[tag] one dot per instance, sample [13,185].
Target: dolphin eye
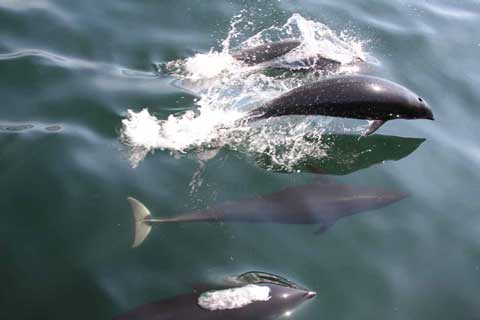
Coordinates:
[420,99]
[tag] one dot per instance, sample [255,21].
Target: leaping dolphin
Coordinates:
[265,52]
[267,56]
[352,96]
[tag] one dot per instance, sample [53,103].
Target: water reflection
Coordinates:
[28,126]
[16,127]
[346,154]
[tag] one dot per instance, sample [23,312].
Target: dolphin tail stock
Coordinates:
[251,116]
[143,221]
[374,127]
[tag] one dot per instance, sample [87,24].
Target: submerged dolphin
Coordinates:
[321,203]
[354,96]
[256,295]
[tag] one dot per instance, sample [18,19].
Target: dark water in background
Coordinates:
[66,226]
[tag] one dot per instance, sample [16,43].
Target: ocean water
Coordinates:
[105,100]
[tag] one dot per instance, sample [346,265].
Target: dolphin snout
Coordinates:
[396,196]
[310,294]
[429,114]
[428,110]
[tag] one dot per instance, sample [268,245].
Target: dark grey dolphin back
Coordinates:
[185,307]
[357,96]
[265,52]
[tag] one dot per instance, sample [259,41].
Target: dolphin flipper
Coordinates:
[324,226]
[374,127]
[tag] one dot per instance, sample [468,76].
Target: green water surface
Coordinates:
[66,226]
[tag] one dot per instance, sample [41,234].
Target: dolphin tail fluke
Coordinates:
[374,127]
[141,215]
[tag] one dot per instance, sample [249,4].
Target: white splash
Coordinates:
[227,89]
[211,65]
[144,133]
[316,38]
[141,129]
[233,298]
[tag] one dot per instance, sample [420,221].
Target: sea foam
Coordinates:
[233,298]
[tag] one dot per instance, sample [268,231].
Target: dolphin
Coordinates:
[265,52]
[267,56]
[268,297]
[321,203]
[348,96]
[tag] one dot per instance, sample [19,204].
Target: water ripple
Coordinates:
[17,128]
[41,5]
[76,63]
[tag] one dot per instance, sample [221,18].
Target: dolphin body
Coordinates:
[350,96]
[265,52]
[321,203]
[284,296]
[308,64]
[266,56]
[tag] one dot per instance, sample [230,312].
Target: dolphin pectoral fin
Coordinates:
[320,230]
[374,127]
[324,226]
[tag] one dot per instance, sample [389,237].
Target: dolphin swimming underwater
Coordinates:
[254,295]
[352,96]
[321,203]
